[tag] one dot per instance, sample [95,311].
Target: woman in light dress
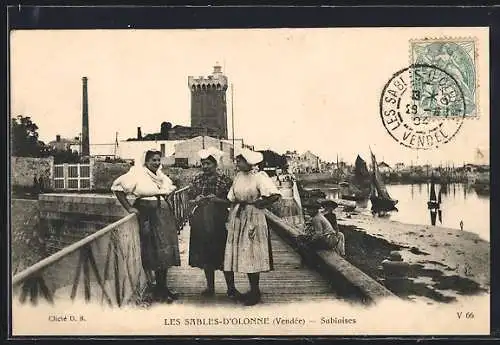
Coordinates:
[248,246]
[158,230]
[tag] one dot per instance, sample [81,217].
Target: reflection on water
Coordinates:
[433,216]
[459,203]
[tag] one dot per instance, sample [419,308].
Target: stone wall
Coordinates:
[181,177]
[24,170]
[26,245]
[105,173]
[69,217]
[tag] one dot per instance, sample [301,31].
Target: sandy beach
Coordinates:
[445,264]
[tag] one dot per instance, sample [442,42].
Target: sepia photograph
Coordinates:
[285,181]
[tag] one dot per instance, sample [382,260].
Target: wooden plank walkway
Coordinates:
[288,282]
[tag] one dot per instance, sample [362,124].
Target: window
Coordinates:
[181,162]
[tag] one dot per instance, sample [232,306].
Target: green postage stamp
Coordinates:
[453,59]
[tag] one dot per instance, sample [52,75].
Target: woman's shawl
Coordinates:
[142,182]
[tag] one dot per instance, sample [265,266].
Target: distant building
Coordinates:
[64,144]
[303,163]
[384,168]
[103,151]
[177,132]
[399,167]
[208,111]
[135,149]
[292,158]
[208,101]
[186,152]
[426,168]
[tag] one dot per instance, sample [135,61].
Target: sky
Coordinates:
[294,89]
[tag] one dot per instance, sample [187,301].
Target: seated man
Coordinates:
[320,234]
[329,206]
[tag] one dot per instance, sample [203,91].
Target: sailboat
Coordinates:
[380,198]
[359,188]
[433,202]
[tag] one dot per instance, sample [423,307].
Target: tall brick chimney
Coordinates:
[85,120]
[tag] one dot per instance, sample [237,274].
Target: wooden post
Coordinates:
[65,174]
[91,173]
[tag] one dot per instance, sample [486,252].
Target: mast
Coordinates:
[433,189]
[379,185]
[338,168]
[116,143]
[232,116]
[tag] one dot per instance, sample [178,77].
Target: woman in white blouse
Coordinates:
[248,245]
[158,230]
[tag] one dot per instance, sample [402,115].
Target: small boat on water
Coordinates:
[434,202]
[381,201]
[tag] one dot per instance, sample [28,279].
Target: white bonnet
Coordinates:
[251,157]
[142,159]
[211,152]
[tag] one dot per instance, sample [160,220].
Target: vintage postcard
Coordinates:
[329,181]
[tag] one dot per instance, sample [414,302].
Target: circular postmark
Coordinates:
[422,107]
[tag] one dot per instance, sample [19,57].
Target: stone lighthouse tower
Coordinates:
[208,101]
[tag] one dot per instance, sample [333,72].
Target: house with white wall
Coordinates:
[134,149]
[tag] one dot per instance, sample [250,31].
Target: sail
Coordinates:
[361,180]
[360,169]
[433,191]
[379,184]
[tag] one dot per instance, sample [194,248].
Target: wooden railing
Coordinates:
[180,204]
[105,267]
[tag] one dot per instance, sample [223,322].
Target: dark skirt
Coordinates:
[208,236]
[158,233]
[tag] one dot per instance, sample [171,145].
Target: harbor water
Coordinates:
[460,202]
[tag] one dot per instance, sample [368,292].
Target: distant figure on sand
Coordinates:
[321,234]
[462,225]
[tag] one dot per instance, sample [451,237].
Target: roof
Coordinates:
[65,141]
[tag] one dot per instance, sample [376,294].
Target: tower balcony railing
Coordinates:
[104,267]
